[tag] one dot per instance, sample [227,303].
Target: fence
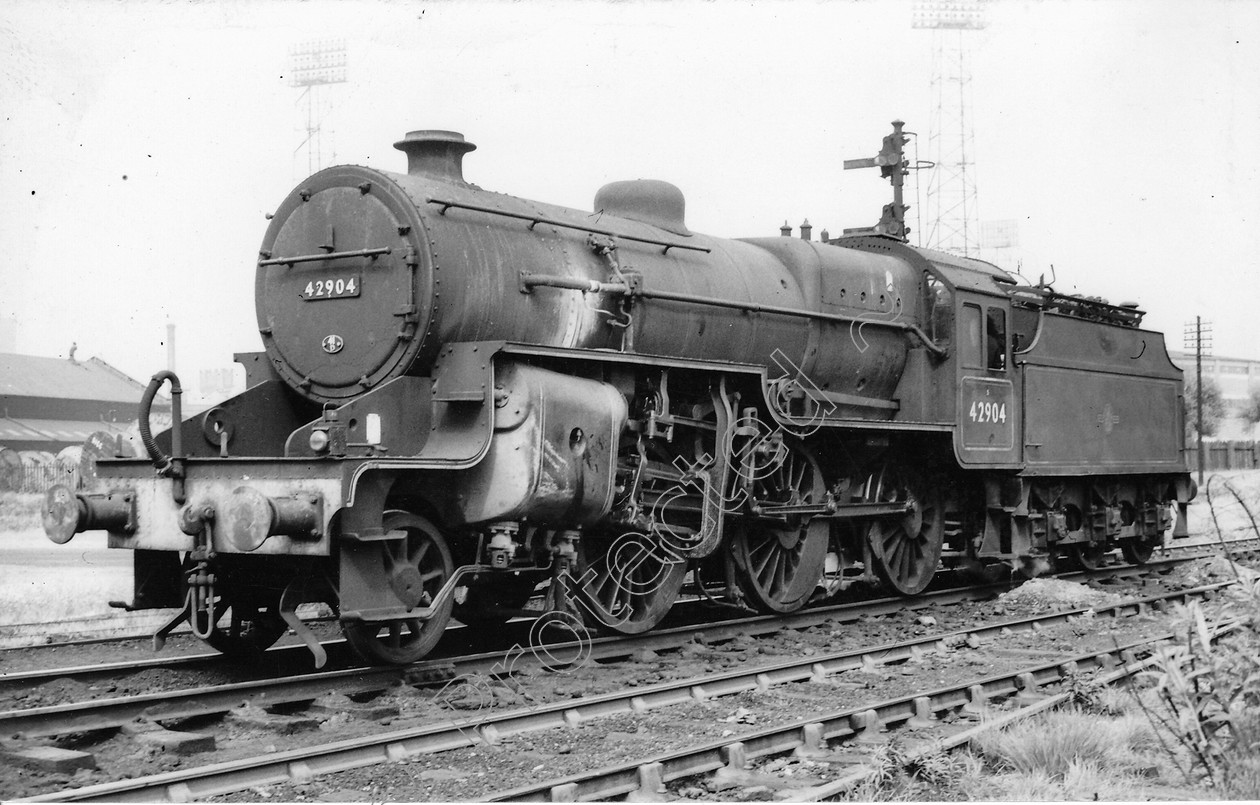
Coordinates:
[1225,456]
[38,477]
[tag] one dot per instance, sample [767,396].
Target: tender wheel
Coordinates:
[405,641]
[1139,549]
[778,564]
[906,550]
[247,631]
[1088,556]
[491,603]
[626,584]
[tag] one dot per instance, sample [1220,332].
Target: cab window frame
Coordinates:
[996,341]
[971,336]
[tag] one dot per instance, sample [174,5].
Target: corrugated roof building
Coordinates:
[50,403]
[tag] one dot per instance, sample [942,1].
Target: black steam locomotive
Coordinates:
[466,398]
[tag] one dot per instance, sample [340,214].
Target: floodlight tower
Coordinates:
[951,211]
[315,64]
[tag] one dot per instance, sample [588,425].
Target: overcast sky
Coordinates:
[142,143]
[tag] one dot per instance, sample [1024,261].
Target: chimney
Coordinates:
[826,236]
[786,230]
[436,154]
[806,229]
[170,347]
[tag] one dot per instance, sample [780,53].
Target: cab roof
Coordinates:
[968,273]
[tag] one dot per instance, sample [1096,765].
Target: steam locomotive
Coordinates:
[466,398]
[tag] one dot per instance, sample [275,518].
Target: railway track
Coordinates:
[492,727]
[356,680]
[919,711]
[295,656]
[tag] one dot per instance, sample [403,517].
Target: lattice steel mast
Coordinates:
[951,220]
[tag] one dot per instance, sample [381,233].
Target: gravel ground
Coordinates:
[469,773]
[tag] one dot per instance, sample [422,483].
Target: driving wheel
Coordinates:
[626,584]
[906,548]
[779,559]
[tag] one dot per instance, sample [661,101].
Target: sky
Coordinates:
[142,143]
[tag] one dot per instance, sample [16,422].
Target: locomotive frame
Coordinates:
[466,398]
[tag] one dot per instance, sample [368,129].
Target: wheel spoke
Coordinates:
[608,592]
[779,577]
[416,554]
[894,540]
[905,561]
[767,551]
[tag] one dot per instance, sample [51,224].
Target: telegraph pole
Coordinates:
[1201,337]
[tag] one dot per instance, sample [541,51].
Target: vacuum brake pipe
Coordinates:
[168,466]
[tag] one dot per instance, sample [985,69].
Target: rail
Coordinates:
[305,763]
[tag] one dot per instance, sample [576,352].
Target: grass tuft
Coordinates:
[1063,740]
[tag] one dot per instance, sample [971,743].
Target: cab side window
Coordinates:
[995,339]
[970,337]
[938,303]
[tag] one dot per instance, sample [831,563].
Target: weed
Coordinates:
[901,776]
[1207,694]
[1090,695]
[1052,744]
[938,768]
